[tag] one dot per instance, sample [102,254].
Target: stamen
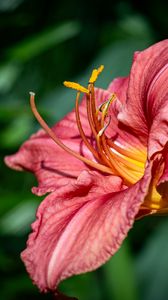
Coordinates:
[76,86]
[105,105]
[92,105]
[95,74]
[81,129]
[90,115]
[94,129]
[103,155]
[51,133]
[112,159]
[104,128]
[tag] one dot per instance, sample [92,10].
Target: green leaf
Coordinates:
[8,74]
[17,131]
[17,220]
[135,26]
[39,43]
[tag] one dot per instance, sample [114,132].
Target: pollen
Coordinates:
[76,86]
[95,74]
[80,88]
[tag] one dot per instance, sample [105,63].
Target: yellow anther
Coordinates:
[76,86]
[100,69]
[95,74]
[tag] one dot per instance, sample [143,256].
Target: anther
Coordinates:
[76,86]
[95,74]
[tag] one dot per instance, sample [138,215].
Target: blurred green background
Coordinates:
[44,43]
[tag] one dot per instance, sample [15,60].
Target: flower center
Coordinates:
[129,164]
[110,157]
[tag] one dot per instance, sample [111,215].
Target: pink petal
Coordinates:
[117,131]
[119,86]
[80,226]
[52,166]
[146,108]
[158,135]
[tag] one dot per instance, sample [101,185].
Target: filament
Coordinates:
[81,129]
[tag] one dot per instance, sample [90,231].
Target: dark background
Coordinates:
[44,43]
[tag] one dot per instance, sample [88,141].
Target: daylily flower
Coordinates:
[104,165]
